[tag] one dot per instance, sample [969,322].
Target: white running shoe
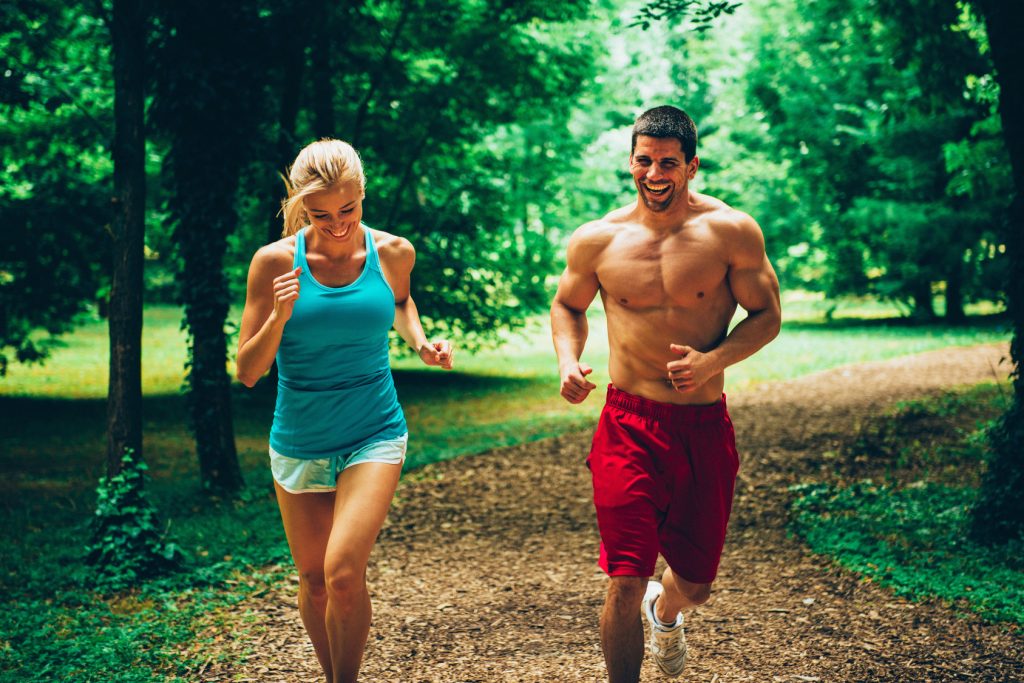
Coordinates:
[666,644]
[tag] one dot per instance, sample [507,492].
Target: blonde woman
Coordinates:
[321,300]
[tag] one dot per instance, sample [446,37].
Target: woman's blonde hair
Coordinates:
[321,165]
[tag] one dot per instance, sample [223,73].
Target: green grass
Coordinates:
[54,626]
[907,528]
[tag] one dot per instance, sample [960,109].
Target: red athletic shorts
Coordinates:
[663,482]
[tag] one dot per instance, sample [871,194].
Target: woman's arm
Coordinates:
[271,291]
[399,257]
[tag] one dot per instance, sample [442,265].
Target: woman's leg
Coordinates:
[361,504]
[307,521]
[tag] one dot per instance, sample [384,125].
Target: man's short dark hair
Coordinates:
[668,122]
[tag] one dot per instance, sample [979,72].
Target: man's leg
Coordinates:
[622,634]
[679,595]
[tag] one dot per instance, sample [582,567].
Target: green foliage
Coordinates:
[998,516]
[55,178]
[127,543]
[913,540]
[914,536]
[868,126]
[58,624]
[701,12]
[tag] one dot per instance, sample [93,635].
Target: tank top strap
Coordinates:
[372,258]
[300,251]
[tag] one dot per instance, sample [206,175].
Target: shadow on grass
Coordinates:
[416,383]
[54,449]
[997,321]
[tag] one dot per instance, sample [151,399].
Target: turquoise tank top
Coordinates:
[335,393]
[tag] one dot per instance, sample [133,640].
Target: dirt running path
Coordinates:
[486,570]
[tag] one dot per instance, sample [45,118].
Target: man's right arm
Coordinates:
[576,290]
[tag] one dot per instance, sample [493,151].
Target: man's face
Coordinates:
[660,171]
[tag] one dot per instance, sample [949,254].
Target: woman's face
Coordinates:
[335,213]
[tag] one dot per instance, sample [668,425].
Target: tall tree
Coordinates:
[124,397]
[999,515]
[208,110]
[127,540]
[866,126]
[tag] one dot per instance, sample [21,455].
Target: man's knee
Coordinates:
[699,593]
[625,593]
[695,593]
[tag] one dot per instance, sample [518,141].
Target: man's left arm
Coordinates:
[755,287]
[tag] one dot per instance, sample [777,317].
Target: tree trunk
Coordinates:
[294,66]
[210,404]
[201,233]
[323,89]
[206,300]
[124,393]
[213,54]
[924,308]
[999,514]
[955,294]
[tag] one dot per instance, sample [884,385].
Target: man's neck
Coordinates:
[676,215]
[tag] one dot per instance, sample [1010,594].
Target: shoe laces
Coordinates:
[670,642]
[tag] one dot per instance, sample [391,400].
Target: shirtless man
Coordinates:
[671,269]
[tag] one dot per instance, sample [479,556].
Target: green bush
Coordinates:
[127,542]
[914,540]
[912,533]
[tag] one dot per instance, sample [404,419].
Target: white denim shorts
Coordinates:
[299,475]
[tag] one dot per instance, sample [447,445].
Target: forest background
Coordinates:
[864,136]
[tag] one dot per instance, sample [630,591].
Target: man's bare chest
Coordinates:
[681,274]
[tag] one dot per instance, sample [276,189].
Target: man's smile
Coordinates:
[656,189]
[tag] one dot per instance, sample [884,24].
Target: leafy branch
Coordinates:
[701,12]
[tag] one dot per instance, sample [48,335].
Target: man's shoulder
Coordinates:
[600,232]
[590,239]
[736,230]
[727,220]
[719,213]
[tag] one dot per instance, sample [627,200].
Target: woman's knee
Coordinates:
[313,583]
[345,581]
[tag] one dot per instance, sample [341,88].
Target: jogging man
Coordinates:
[671,269]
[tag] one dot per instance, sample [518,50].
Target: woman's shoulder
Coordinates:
[275,257]
[392,248]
